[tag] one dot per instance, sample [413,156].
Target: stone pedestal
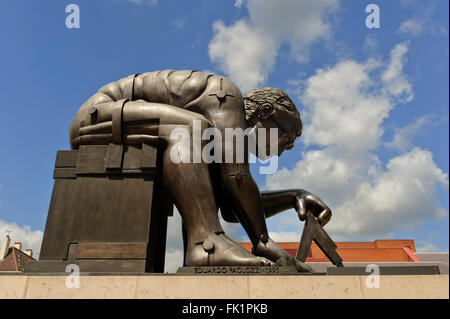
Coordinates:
[158,286]
[108,211]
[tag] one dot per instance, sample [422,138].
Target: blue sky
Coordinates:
[374,102]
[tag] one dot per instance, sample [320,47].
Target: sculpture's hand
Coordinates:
[306,201]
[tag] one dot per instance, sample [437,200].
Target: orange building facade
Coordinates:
[380,250]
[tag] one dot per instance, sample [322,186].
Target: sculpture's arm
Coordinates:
[131,122]
[275,202]
[242,194]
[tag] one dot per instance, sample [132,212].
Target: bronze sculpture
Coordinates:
[145,108]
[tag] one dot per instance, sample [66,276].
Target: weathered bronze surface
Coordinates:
[385,270]
[107,192]
[107,212]
[241,270]
[313,231]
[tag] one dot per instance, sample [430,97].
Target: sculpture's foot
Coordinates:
[219,250]
[268,248]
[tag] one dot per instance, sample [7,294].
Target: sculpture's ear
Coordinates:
[265,110]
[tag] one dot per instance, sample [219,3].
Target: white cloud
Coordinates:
[174,243]
[246,50]
[341,112]
[174,260]
[395,82]
[402,139]
[413,27]
[30,239]
[427,247]
[238,3]
[145,2]
[244,53]
[423,23]
[179,23]
[399,197]
[280,237]
[299,23]
[345,108]
[371,43]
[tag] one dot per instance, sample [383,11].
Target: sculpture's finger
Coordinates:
[324,217]
[100,128]
[313,199]
[300,207]
[92,139]
[150,129]
[141,138]
[302,267]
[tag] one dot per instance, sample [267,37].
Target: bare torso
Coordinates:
[214,97]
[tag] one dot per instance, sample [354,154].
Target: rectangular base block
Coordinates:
[108,211]
[386,270]
[241,270]
[95,266]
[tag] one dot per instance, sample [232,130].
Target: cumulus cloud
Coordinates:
[354,116]
[423,23]
[399,197]
[243,52]
[246,50]
[427,247]
[402,140]
[345,106]
[394,80]
[412,27]
[30,239]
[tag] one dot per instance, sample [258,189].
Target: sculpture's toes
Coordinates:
[219,250]
[292,262]
[235,256]
[285,261]
[302,267]
[266,262]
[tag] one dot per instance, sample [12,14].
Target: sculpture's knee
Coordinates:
[185,142]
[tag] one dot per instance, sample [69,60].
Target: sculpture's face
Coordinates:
[287,133]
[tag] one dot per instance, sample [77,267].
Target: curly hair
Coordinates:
[278,98]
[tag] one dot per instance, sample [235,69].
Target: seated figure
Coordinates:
[145,108]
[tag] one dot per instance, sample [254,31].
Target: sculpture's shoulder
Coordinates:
[118,89]
[174,87]
[179,87]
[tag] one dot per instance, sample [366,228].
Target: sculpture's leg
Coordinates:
[191,189]
[240,189]
[188,183]
[184,234]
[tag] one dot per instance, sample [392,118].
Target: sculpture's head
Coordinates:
[272,108]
